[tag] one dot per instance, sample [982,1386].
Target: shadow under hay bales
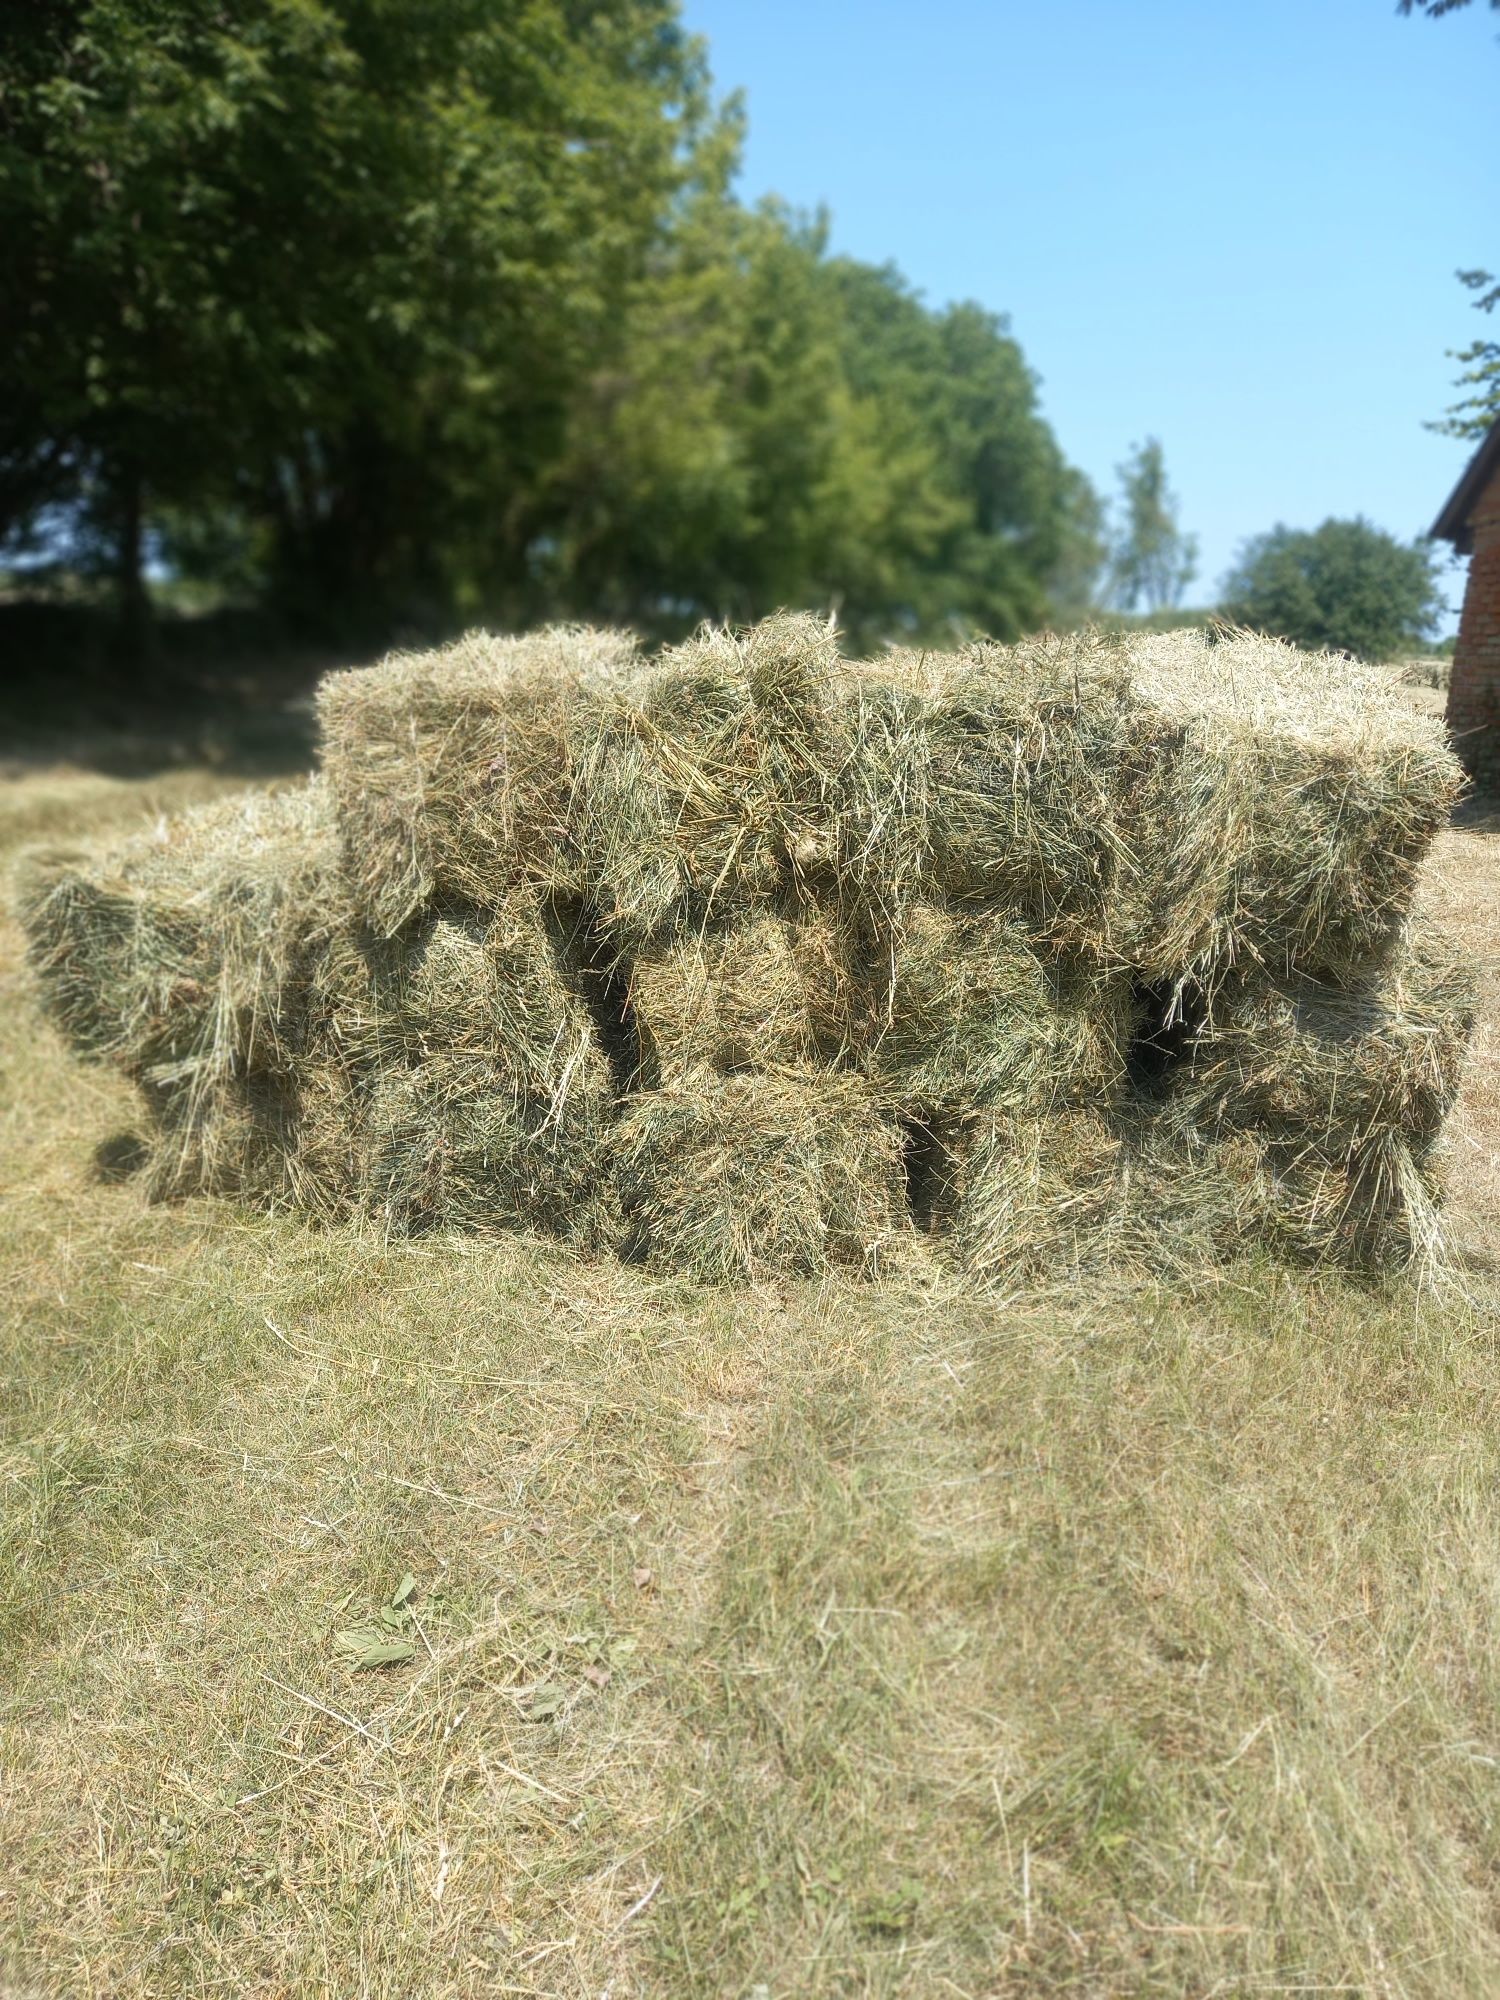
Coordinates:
[600,983]
[120,1157]
[928,1165]
[1169,1024]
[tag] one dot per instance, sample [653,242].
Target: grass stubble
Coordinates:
[805,1639]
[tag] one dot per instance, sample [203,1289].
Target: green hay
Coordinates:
[1307,1117]
[461,1078]
[752,1177]
[726,1000]
[448,1144]
[233,1136]
[1193,1197]
[1027,750]
[1335,1068]
[824,910]
[963,1013]
[190,950]
[1283,806]
[453,770]
[1032,1195]
[705,793]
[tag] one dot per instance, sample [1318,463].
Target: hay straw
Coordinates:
[706,790]
[1032,1194]
[842,934]
[1286,802]
[731,999]
[453,770]
[961,1012]
[468,1074]
[760,1176]
[1337,1067]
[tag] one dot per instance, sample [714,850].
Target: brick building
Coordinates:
[1471,522]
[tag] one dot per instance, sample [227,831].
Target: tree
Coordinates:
[1153,560]
[431,310]
[338,264]
[1472,416]
[1346,586]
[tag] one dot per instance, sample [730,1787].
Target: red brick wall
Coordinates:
[1474,692]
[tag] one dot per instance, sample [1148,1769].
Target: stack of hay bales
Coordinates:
[751,959]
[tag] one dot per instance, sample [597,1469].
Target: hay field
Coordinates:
[471,1618]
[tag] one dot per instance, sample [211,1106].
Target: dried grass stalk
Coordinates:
[1030,1195]
[761,1176]
[706,789]
[192,947]
[962,1012]
[1283,804]
[1336,1067]
[738,998]
[453,770]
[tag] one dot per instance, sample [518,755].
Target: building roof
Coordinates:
[1452,525]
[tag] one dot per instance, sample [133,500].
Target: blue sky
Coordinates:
[1232,224]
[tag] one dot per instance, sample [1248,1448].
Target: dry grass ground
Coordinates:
[840,1641]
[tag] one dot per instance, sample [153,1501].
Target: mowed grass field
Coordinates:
[828,1641]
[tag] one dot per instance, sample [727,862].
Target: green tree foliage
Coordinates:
[445,308]
[1346,586]
[337,264]
[1473,414]
[1153,561]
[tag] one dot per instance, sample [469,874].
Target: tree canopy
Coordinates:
[1347,586]
[1153,562]
[446,308]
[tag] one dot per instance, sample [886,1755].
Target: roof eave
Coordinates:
[1452,524]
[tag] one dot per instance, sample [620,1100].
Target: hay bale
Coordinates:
[758,1176]
[449,1144]
[190,949]
[1194,1197]
[467,985]
[228,1135]
[706,787]
[962,1012]
[1028,1195]
[1337,1067]
[1306,1116]
[1028,744]
[1281,807]
[461,1077]
[737,998]
[453,770]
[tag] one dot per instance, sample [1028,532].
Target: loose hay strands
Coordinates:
[707,790]
[961,1012]
[759,1176]
[190,948]
[1032,1194]
[453,770]
[1336,1066]
[730,999]
[1285,803]
[186,960]
[472,1081]
[450,1145]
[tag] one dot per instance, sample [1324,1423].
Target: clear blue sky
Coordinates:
[1232,224]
